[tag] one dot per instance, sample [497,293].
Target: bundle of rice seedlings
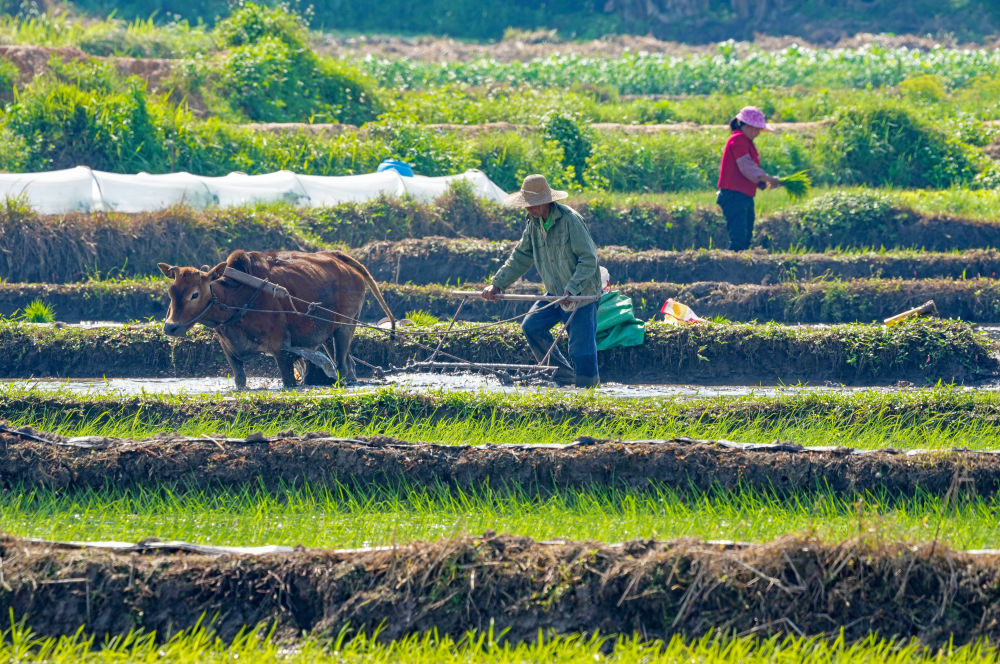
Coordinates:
[797,184]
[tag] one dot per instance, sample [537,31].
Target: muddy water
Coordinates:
[421,382]
[417,382]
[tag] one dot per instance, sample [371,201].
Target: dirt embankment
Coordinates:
[707,354]
[516,587]
[77,246]
[32,61]
[974,300]
[688,465]
[441,260]
[640,243]
[866,300]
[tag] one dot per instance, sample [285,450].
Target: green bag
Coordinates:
[617,325]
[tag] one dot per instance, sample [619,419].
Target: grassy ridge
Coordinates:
[742,353]
[835,301]
[940,418]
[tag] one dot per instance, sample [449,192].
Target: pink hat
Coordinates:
[754,117]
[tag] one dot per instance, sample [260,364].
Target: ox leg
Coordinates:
[342,338]
[236,364]
[286,366]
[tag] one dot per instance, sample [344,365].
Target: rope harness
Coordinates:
[235,318]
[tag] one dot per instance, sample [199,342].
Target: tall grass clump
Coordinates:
[887,144]
[656,163]
[270,74]
[426,150]
[38,312]
[9,76]
[574,139]
[142,36]
[507,157]
[61,125]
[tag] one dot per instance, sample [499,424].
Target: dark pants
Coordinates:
[582,336]
[738,210]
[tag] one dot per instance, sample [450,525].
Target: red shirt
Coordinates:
[730,177]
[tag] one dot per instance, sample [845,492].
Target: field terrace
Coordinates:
[790,479]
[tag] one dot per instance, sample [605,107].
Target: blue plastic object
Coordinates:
[401,167]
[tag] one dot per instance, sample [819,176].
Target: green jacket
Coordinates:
[565,255]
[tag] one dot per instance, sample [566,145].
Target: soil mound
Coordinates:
[32,61]
[975,300]
[515,585]
[37,460]
[727,354]
[442,260]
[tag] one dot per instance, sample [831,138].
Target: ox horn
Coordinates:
[217,271]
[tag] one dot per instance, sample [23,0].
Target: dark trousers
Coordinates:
[582,336]
[738,210]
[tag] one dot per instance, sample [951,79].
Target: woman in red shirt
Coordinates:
[740,175]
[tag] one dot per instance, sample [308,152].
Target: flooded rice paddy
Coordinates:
[416,382]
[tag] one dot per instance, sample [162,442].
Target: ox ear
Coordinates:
[217,271]
[167,270]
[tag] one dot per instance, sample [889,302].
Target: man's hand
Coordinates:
[491,293]
[772,182]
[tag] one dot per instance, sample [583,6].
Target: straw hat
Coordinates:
[535,190]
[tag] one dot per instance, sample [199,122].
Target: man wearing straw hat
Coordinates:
[557,242]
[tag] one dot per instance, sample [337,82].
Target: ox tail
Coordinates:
[373,287]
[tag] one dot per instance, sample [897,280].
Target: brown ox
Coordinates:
[331,278]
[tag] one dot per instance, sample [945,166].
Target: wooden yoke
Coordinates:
[250,280]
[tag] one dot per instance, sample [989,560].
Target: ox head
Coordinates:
[190,295]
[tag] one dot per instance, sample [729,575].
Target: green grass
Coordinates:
[37,312]
[343,517]
[112,36]
[888,431]
[940,418]
[200,646]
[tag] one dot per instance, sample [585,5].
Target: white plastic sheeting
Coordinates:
[82,189]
